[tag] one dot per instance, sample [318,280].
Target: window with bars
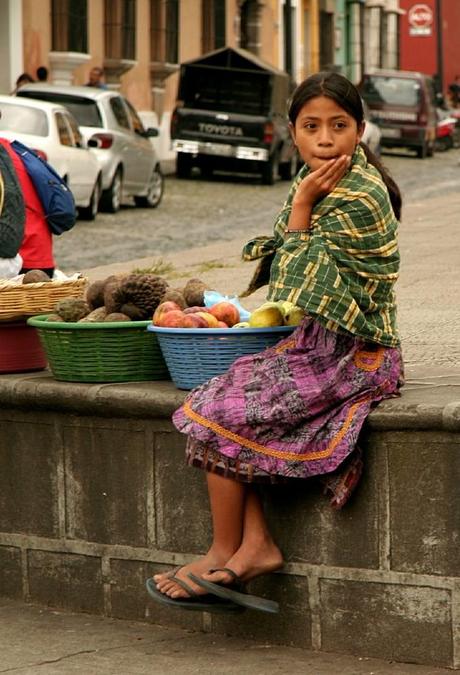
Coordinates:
[69,26]
[120,29]
[212,25]
[326,45]
[250,26]
[164,31]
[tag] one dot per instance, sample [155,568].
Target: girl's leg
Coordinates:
[258,553]
[227,500]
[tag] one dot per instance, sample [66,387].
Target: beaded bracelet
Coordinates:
[293,231]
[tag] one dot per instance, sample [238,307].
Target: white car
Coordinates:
[52,132]
[372,134]
[129,163]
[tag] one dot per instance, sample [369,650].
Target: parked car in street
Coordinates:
[404,105]
[52,132]
[231,115]
[129,164]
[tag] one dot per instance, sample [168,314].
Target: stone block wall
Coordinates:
[95,497]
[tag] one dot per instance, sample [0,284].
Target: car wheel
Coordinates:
[90,212]
[183,165]
[270,170]
[422,151]
[154,190]
[288,169]
[111,198]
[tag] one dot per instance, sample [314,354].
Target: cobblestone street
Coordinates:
[197,212]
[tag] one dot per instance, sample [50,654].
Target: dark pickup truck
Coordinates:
[231,116]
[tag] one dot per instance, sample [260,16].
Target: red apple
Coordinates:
[193,321]
[164,308]
[194,309]
[171,319]
[222,324]
[226,312]
[209,318]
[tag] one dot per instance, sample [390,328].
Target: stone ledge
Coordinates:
[80,547]
[430,399]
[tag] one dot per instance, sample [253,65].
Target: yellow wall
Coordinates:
[36,34]
[135,83]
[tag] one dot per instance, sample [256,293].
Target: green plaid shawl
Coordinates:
[343,271]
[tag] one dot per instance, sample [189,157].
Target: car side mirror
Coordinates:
[152,132]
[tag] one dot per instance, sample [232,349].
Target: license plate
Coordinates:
[389,132]
[217,149]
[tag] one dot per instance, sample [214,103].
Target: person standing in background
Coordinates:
[42,74]
[36,249]
[96,76]
[12,218]
[24,78]
[454,90]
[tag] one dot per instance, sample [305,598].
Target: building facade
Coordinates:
[140,43]
[430,38]
[367,36]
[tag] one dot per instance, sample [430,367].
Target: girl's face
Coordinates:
[324,131]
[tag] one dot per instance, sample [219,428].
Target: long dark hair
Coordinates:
[345,94]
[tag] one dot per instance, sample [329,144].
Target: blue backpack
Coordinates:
[55,197]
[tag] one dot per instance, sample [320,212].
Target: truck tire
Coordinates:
[270,170]
[288,169]
[183,165]
[422,151]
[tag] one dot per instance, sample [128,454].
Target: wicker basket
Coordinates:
[18,300]
[194,355]
[101,352]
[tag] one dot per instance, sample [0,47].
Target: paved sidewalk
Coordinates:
[41,641]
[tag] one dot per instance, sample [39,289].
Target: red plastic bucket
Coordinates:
[20,348]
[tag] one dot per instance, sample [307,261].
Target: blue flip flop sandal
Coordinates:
[235,592]
[196,602]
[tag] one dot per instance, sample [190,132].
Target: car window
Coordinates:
[23,120]
[135,119]
[120,112]
[391,90]
[65,134]
[79,142]
[85,110]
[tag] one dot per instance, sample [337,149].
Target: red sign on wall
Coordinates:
[420,17]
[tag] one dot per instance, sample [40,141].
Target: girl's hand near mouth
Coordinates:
[316,185]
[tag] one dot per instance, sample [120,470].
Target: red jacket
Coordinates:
[37,246]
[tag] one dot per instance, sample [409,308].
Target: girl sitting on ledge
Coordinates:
[295,410]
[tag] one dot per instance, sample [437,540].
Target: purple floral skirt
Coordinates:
[294,410]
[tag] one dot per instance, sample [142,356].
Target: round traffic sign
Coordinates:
[420,15]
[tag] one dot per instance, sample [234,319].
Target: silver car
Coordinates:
[111,126]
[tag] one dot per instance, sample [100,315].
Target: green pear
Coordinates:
[266,316]
[286,307]
[294,317]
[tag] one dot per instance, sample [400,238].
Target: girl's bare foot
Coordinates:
[166,584]
[251,560]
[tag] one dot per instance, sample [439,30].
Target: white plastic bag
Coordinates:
[213,297]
